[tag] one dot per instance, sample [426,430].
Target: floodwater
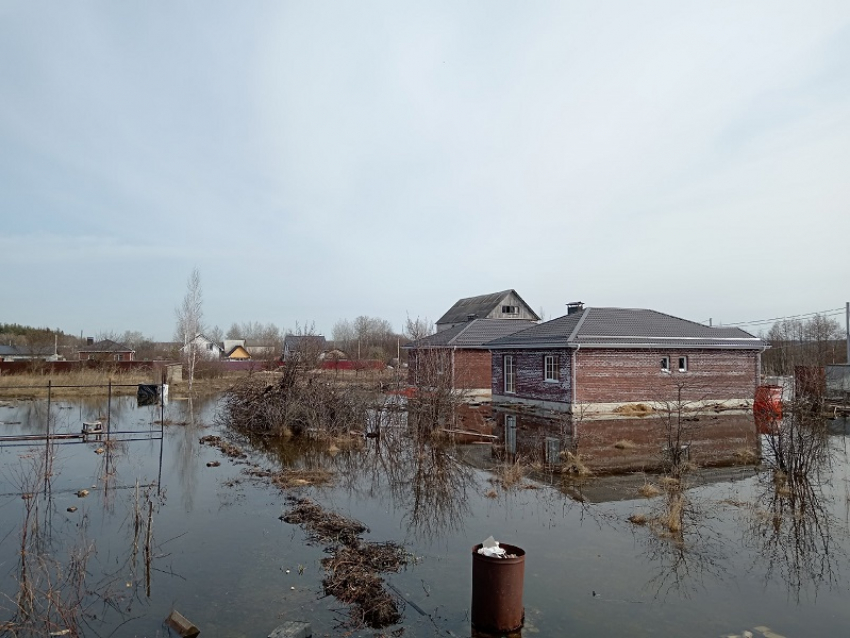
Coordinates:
[207,540]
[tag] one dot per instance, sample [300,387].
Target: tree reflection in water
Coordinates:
[792,526]
[682,544]
[421,471]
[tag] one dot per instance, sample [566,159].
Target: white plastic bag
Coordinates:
[491,548]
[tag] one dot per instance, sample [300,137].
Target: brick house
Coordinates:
[600,360]
[506,304]
[458,355]
[106,350]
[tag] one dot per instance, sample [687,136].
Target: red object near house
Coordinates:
[767,408]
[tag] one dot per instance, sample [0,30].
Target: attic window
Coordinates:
[510,310]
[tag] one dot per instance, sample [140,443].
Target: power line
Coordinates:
[832,312]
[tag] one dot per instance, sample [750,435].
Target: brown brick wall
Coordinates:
[530,383]
[616,376]
[471,367]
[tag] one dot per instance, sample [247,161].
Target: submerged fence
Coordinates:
[97,430]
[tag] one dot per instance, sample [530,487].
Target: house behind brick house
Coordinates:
[601,359]
[506,304]
[460,355]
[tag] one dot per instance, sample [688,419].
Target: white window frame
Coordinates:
[683,364]
[665,364]
[509,367]
[551,368]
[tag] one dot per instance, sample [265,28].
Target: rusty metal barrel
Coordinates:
[497,590]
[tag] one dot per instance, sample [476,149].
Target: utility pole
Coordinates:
[847,324]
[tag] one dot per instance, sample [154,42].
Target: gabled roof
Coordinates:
[480,306]
[472,334]
[627,328]
[231,352]
[106,345]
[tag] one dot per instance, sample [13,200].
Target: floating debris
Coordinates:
[353,567]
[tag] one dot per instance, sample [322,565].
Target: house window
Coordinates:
[510,434]
[510,374]
[510,310]
[551,367]
[683,364]
[665,364]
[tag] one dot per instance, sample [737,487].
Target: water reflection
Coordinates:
[416,468]
[792,525]
[62,583]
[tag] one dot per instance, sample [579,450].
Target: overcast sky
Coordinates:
[322,160]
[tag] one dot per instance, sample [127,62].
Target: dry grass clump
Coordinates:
[625,444]
[510,474]
[293,477]
[669,483]
[323,526]
[634,409]
[491,493]
[638,519]
[649,490]
[574,465]
[87,383]
[746,456]
[231,450]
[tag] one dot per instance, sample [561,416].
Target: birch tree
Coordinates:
[190,323]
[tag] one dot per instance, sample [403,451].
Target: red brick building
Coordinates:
[457,357]
[600,360]
[106,350]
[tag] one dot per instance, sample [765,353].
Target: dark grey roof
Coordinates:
[472,334]
[480,306]
[627,328]
[106,345]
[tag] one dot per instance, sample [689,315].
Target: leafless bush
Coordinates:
[298,402]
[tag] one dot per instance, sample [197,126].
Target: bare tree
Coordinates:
[817,341]
[415,329]
[190,323]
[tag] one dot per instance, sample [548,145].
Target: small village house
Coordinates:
[456,356]
[506,304]
[106,350]
[206,348]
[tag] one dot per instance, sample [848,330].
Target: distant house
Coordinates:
[506,304]
[458,355]
[234,350]
[29,353]
[106,350]
[207,349]
[599,360]
[309,346]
